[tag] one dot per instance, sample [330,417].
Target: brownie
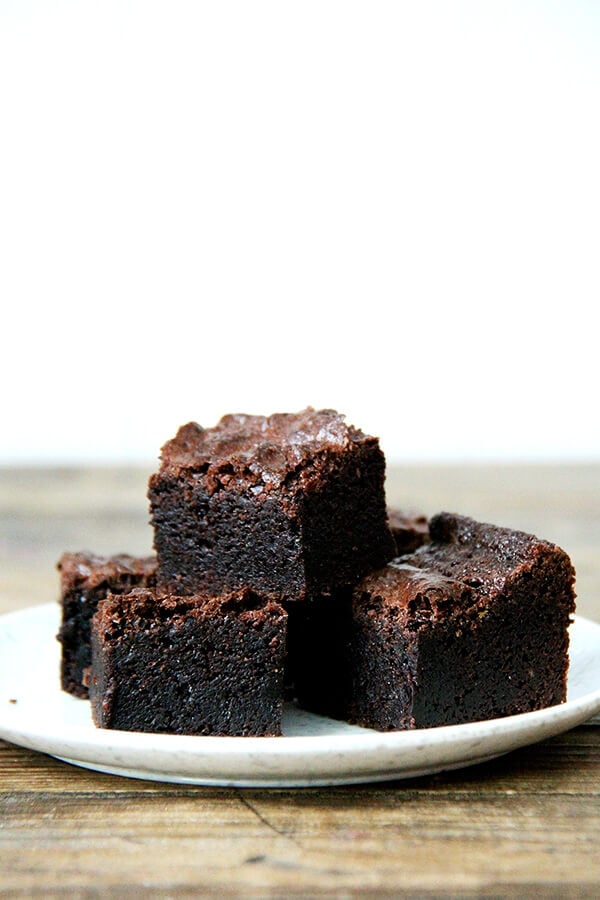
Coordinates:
[188,665]
[291,505]
[472,626]
[410,530]
[85,579]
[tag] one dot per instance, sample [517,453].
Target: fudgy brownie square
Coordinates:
[410,530]
[85,579]
[188,665]
[291,504]
[472,626]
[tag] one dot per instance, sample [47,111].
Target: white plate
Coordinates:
[35,713]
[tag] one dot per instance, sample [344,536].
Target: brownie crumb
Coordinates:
[188,665]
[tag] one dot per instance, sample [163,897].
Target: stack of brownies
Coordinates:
[279,574]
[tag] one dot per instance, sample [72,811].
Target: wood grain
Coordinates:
[527,824]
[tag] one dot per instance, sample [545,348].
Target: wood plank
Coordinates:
[530,817]
[341,840]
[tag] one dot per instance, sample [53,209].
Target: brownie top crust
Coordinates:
[87,571]
[263,450]
[142,609]
[486,557]
[415,597]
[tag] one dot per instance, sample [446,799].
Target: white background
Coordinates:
[388,208]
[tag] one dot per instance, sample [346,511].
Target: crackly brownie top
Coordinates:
[413,597]
[141,609]
[86,571]
[260,450]
[486,557]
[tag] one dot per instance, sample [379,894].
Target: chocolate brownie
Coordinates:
[472,626]
[188,665]
[85,579]
[410,530]
[291,505]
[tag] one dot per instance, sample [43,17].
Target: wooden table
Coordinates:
[526,824]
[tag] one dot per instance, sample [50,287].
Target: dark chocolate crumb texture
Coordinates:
[472,626]
[188,665]
[292,505]
[85,579]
